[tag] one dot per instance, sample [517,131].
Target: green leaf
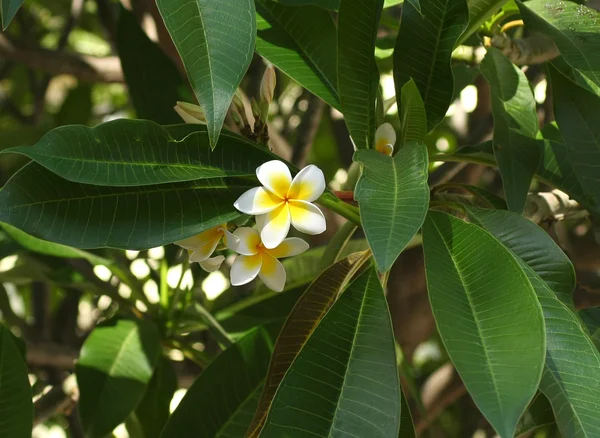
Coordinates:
[9,9]
[215,39]
[115,365]
[221,402]
[337,244]
[139,152]
[575,75]
[48,207]
[153,411]
[358,76]
[463,75]
[517,152]
[570,381]
[591,319]
[77,107]
[577,113]
[488,317]
[16,408]
[299,326]
[538,415]
[407,428]
[393,197]
[423,50]
[413,118]
[533,245]
[153,80]
[574,28]
[344,381]
[332,5]
[49,248]
[301,42]
[479,12]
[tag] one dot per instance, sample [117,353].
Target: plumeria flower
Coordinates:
[257,260]
[282,201]
[203,245]
[190,113]
[385,139]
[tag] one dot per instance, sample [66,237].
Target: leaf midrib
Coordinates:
[239,407]
[209,57]
[435,53]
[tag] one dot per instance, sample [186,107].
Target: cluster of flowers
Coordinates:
[279,203]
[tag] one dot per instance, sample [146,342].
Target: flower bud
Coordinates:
[190,113]
[267,85]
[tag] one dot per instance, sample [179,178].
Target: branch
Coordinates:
[87,68]
[61,399]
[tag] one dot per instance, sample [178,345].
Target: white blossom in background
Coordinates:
[282,201]
[256,259]
[190,113]
[203,245]
[385,139]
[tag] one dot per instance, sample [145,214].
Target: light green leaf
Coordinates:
[393,197]
[479,12]
[332,5]
[488,317]
[9,9]
[413,118]
[115,365]
[299,326]
[575,75]
[517,152]
[16,408]
[301,42]
[221,402]
[344,381]
[577,113]
[423,50]
[574,28]
[153,411]
[215,39]
[153,81]
[532,245]
[139,152]
[358,76]
[46,206]
[49,248]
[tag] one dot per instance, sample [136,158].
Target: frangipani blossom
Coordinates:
[190,113]
[385,139]
[282,201]
[202,246]
[257,260]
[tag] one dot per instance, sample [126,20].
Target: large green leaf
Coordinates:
[153,411]
[332,5]
[571,378]
[574,28]
[153,80]
[115,365]
[301,42]
[344,381]
[516,150]
[48,207]
[479,12]
[139,152]
[413,118]
[299,326]
[407,428]
[16,408]
[532,245]
[221,402]
[358,76]
[591,319]
[423,50]
[577,113]
[8,10]
[393,197]
[488,317]
[215,39]
[538,415]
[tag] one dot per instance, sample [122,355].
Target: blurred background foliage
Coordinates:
[91,61]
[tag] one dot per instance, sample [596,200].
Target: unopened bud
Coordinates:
[267,85]
[190,113]
[238,100]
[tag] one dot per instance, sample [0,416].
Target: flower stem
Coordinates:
[340,207]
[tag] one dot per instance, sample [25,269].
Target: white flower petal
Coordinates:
[245,269]
[276,226]
[230,240]
[275,176]
[308,184]
[289,247]
[307,217]
[272,273]
[385,135]
[248,241]
[200,239]
[212,264]
[257,201]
